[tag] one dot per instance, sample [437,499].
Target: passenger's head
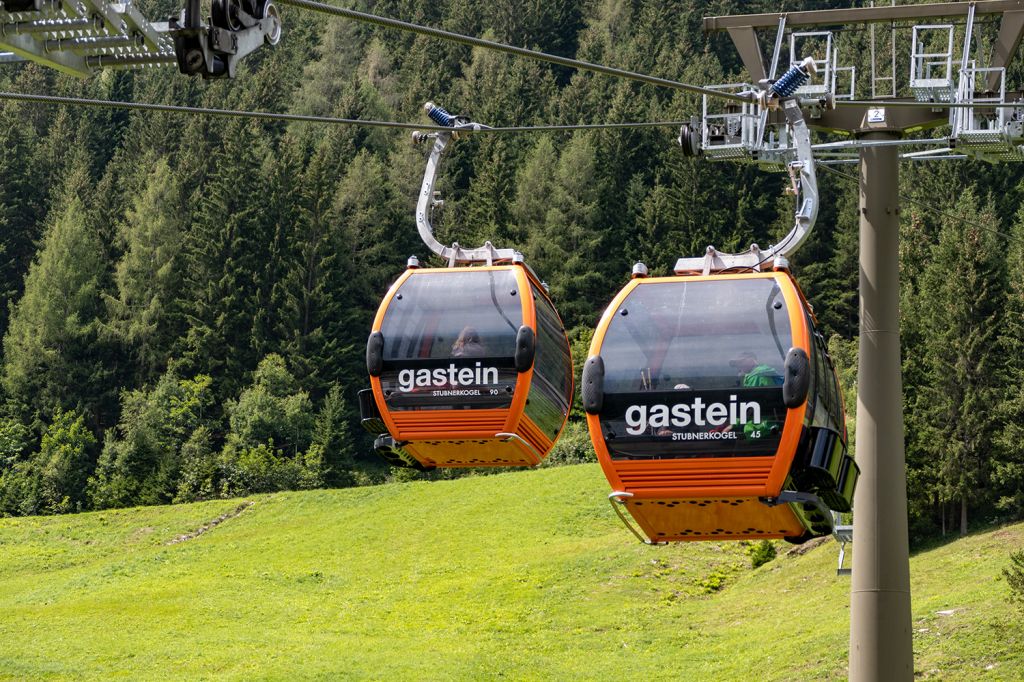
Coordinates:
[744,362]
[467,343]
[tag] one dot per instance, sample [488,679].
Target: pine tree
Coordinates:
[1008,473]
[148,276]
[52,358]
[960,308]
[223,253]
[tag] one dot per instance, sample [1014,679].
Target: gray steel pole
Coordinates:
[881,645]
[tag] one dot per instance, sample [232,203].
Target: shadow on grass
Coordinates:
[926,542]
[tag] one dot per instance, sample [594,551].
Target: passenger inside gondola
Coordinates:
[752,373]
[468,345]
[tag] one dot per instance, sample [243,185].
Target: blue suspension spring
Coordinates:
[790,81]
[439,116]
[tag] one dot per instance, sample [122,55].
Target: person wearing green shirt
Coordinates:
[756,375]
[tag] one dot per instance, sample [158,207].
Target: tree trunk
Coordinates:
[963,516]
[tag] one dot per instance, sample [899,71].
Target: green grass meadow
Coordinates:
[521,576]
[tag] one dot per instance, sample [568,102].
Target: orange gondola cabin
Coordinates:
[469,367]
[715,410]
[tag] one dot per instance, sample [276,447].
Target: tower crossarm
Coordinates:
[80,37]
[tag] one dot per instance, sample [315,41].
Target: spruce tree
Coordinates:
[376,234]
[534,189]
[1008,473]
[148,276]
[52,358]
[308,298]
[21,202]
[567,249]
[223,254]
[960,306]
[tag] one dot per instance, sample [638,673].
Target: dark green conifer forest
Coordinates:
[187,299]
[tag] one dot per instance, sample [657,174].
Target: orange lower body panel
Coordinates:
[470,438]
[725,477]
[713,518]
[706,499]
[475,452]
[427,424]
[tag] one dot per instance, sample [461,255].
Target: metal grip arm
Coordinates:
[425,204]
[805,186]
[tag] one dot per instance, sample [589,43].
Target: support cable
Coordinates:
[913,104]
[272,116]
[387,22]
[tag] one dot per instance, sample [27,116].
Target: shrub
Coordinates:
[573,446]
[262,469]
[761,552]
[198,468]
[271,445]
[273,408]
[14,439]
[713,582]
[141,458]
[63,462]
[1015,578]
[19,490]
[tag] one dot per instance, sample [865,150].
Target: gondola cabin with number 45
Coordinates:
[469,367]
[715,409]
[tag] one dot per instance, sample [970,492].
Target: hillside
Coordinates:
[185,300]
[524,575]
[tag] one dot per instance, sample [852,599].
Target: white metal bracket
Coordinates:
[806,185]
[454,254]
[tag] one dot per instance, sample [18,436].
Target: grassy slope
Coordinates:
[525,575]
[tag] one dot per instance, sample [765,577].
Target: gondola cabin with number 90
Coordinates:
[715,409]
[469,367]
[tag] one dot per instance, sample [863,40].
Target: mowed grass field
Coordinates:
[521,576]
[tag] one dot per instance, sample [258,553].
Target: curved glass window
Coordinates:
[551,389]
[695,369]
[449,341]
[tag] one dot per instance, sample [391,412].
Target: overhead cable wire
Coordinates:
[450,36]
[914,104]
[918,204]
[272,116]
[387,22]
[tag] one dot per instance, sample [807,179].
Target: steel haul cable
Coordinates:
[272,116]
[386,22]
